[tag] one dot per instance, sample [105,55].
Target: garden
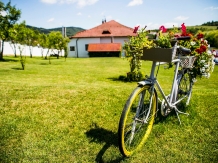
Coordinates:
[69,111]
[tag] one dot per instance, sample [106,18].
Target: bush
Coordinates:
[212,38]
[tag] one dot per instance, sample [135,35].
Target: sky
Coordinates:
[90,13]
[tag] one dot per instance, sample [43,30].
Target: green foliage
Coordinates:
[212,38]
[70,31]
[163,41]
[10,15]
[134,50]
[212,23]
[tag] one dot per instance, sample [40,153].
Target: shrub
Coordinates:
[134,50]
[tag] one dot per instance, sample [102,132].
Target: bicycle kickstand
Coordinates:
[179,112]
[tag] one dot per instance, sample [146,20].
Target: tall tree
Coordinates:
[8,17]
[42,42]
[14,36]
[31,40]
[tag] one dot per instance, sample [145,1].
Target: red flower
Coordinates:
[183,29]
[203,48]
[163,29]
[136,29]
[200,35]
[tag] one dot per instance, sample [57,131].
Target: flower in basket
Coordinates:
[203,64]
[164,39]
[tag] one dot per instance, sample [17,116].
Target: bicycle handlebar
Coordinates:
[183,38]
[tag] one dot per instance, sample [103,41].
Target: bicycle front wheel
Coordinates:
[137,120]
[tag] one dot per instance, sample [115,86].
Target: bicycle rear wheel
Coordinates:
[185,85]
[137,120]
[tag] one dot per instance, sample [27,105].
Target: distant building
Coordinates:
[107,37]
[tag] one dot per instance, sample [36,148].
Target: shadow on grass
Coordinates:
[10,60]
[10,143]
[16,68]
[118,79]
[160,119]
[44,63]
[101,135]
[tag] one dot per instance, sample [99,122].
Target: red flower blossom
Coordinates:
[200,35]
[203,48]
[163,29]
[136,29]
[183,29]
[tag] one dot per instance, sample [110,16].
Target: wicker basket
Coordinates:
[187,61]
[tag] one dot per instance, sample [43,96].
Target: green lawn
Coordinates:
[68,111]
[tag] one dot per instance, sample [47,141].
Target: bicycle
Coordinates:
[141,108]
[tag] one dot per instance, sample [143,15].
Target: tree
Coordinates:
[56,41]
[134,50]
[31,39]
[21,38]
[42,42]
[8,17]
[14,36]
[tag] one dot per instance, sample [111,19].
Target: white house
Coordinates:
[107,37]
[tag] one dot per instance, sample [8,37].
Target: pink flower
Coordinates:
[163,29]
[183,29]
[136,29]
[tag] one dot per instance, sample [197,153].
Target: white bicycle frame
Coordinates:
[171,103]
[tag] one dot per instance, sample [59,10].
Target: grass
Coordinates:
[69,112]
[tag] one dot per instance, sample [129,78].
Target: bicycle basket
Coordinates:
[159,54]
[187,61]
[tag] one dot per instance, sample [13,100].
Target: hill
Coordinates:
[70,31]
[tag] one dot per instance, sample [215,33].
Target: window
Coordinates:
[86,47]
[72,48]
[106,32]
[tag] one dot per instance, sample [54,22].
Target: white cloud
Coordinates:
[49,1]
[79,13]
[170,25]
[135,2]
[89,16]
[167,25]
[181,18]
[80,3]
[50,20]
[211,8]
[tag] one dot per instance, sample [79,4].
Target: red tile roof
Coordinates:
[104,47]
[108,29]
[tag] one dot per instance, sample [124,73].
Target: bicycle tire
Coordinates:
[133,129]
[184,85]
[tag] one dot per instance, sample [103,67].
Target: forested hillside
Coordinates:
[212,23]
[70,31]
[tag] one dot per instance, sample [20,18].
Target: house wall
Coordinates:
[79,44]
[121,40]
